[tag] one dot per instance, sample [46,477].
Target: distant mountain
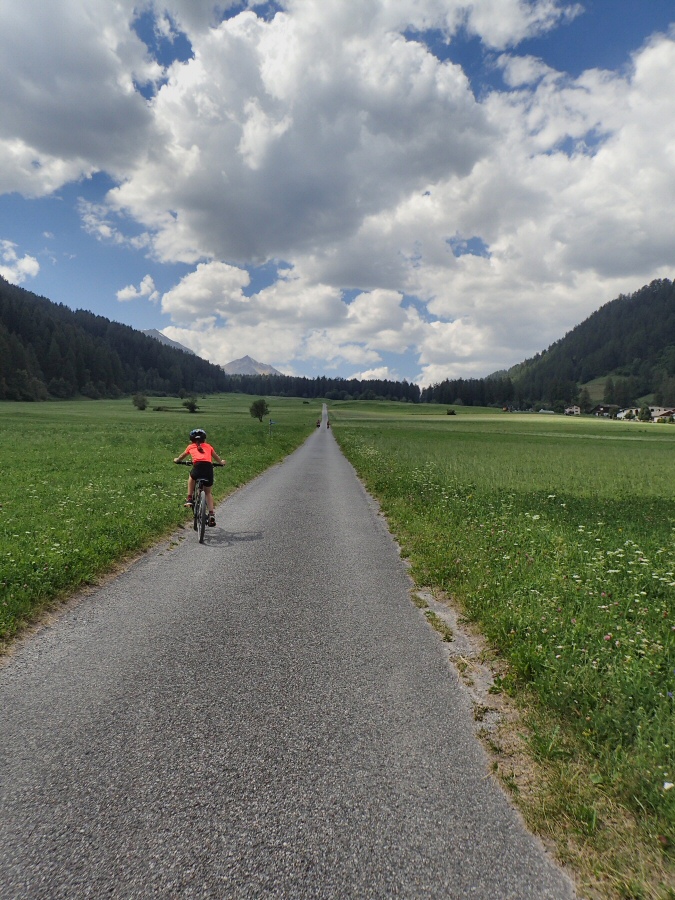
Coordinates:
[248,366]
[163,339]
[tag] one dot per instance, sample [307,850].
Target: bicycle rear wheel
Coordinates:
[202,516]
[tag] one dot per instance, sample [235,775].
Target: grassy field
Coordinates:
[86,483]
[555,536]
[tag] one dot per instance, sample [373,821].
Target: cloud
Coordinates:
[69,106]
[550,176]
[212,289]
[382,373]
[107,225]
[145,289]
[283,136]
[460,233]
[505,23]
[292,318]
[196,16]
[13,268]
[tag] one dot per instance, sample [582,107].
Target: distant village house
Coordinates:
[605,410]
[655,412]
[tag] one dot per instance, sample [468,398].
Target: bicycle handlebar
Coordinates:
[184,462]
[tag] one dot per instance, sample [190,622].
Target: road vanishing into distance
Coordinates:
[264,715]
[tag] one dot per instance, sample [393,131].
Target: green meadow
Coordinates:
[556,537]
[86,483]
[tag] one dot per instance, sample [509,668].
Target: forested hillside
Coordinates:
[630,339]
[49,351]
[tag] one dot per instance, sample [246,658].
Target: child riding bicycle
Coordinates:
[202,456]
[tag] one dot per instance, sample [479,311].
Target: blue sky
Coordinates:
[392,188]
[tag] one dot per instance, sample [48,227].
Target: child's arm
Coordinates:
[218,459]
[181,457]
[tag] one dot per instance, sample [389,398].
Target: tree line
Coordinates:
[328,388]
[471,392]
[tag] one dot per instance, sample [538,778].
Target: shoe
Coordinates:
[189,503]
[212,521]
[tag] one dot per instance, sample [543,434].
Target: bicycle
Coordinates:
[200,508]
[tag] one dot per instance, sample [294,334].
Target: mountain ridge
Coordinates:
[246,365]
[48,350]
[628,343]
[163,339]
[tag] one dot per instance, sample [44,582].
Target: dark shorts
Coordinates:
[203,470]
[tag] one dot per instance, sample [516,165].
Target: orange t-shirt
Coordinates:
[200,452]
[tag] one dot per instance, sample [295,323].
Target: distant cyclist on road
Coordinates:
[202,456]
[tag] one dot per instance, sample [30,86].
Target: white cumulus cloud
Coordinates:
[15,268]
[404,214]
[145,289]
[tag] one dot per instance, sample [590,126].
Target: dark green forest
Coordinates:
[48,351]
[630,339]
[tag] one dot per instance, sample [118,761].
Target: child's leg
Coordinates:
[191,486]
[209,499]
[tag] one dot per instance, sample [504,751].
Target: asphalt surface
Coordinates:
[264,715]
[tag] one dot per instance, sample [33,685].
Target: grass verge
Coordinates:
[556,539]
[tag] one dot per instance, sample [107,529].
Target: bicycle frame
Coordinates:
[200,508]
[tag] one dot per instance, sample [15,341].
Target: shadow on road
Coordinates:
[221,537]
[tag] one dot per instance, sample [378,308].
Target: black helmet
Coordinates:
[197,434]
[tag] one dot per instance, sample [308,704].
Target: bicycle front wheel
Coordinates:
[202,517]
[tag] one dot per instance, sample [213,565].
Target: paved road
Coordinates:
[282,724]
